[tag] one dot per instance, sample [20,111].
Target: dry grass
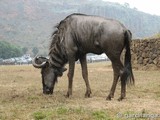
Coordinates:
[21,95]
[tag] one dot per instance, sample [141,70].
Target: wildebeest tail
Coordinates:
[128,74]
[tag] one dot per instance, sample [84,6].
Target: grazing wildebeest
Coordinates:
[79,34]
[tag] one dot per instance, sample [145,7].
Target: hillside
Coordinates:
[30,23]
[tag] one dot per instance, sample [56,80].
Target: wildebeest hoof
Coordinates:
[109,98]
[120,98]
[68,95]
[88,94]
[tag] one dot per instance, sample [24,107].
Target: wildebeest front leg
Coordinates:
[85,75]
[70,75]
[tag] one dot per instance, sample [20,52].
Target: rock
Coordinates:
[146,53]
[140,60]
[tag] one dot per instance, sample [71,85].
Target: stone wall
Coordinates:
[146,54]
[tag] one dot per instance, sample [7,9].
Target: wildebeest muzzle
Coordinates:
[47,90]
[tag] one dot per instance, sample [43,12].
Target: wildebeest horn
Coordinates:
[42,64]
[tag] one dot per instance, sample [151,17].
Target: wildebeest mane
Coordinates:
[57,35]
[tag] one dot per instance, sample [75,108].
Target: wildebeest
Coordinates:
[79,34]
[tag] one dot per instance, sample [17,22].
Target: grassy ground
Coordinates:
[21,96]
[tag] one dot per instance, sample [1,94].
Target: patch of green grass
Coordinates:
[100,115]
[65,113]
[79,110]
[39,115]
[32,98]
[62,111]
[157,95]
[2,117]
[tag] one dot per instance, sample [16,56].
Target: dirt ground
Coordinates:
[21,96]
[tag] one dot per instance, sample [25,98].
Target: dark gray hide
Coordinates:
[80,34]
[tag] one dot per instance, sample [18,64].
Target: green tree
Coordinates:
[8,50]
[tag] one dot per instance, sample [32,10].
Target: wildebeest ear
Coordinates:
[60,71]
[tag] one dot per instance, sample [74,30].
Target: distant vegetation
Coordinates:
[8,50]
[30,23]
[157,35]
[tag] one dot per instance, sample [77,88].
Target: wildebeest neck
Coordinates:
[57,53]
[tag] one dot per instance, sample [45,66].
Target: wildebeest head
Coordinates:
[49,73]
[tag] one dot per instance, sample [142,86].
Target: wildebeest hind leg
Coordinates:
[117,67]
[85,75]
[123,86]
